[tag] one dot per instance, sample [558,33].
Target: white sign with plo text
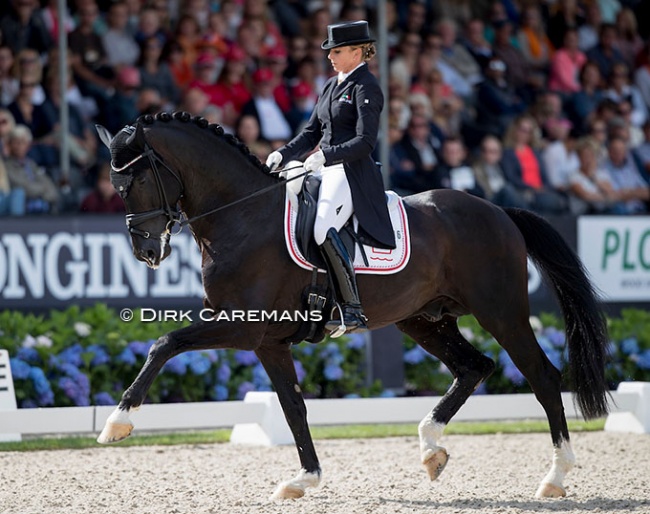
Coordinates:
[616,252]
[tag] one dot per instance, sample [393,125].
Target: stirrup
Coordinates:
[341,329]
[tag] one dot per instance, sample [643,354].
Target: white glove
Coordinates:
[315,161]
[273,160]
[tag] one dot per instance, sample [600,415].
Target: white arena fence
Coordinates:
[258,419]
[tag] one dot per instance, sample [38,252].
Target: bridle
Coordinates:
[172,214]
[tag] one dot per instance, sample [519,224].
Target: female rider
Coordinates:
[344,124]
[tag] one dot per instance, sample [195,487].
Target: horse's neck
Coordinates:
[213,186]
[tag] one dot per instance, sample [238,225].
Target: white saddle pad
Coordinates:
[380,260]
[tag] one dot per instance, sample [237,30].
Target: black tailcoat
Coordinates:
[345,123]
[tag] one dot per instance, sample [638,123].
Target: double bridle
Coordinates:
[173,215]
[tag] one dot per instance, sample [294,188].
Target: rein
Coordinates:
[173,215]
[252,195]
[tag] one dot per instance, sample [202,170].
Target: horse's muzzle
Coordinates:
[152,252]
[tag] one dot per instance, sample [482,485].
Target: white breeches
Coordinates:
[334,202]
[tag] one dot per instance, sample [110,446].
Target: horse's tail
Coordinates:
[586,328]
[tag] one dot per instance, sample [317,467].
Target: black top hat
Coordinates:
[346,34]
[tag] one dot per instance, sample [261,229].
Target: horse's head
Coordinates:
[149,188]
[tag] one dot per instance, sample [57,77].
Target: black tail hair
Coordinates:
[586,327]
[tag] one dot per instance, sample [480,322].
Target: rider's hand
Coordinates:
[315,161]
[273,160]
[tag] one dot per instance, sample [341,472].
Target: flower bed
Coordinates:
[84,357]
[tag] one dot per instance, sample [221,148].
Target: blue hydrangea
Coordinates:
[28,404]
[42,387]
[306,349]
[127,357]
[212,355]
[356,341]
[333,372]
[219,393]
[75,385]
[103,398]
[332,354]
[387,393]
[300,371]
[545,343]
[223,374]
[643,360]
[140,348]
[555,336]
[261,379]
[199,363]
[510,371]
[630,346]
[19,368]
[177,365]
[245,358]
[100,356]
[29,355]
[352,396]
[244,388]
[554,356]
[71,355]
[415,356]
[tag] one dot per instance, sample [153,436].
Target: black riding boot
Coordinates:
[341,270]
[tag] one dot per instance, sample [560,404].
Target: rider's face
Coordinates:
[345,58]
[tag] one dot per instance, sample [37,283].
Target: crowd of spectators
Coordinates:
[540,104]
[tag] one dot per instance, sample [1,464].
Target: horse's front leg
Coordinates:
[276,358]
[199,336]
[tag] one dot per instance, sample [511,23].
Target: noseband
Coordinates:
[173,215]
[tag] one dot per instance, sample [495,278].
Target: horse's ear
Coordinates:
[104,135]
[136,141]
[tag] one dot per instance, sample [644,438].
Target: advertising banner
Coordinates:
[616,252]
[60,261]
[52,262]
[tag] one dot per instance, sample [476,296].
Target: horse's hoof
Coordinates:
[547,490]
[114,432]
[435,461]
[286,491]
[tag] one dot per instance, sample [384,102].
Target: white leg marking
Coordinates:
[433,457]
[118,426]
[295,488]
[563,461]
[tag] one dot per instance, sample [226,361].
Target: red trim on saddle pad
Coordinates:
[381,261]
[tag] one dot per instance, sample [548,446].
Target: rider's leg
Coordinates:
[334,209]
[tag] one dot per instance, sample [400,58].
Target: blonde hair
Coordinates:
[588,143]
[368,51]
[535,137]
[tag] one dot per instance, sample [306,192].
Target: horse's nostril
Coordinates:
[151,255]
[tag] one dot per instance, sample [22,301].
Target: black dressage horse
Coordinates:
[468,257]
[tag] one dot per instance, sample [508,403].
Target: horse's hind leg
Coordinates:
[469,368]
[278,363]
[517,338]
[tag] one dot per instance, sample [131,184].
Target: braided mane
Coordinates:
[214,128]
